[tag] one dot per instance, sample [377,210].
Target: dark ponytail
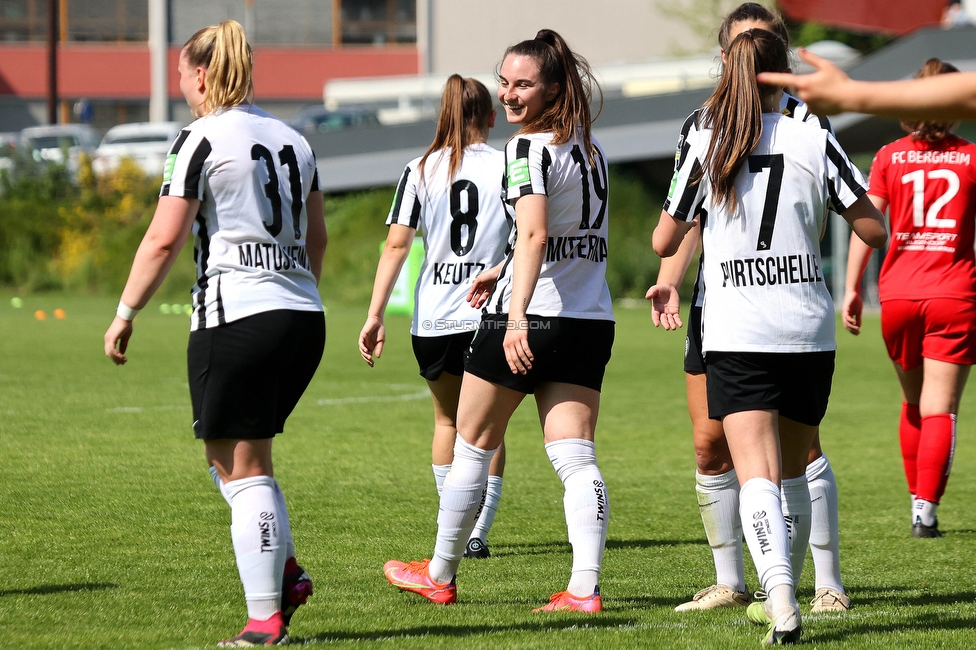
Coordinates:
[734,111]
[570,109]
[931,131]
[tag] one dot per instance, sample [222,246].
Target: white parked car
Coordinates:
[47,144]
[147,143]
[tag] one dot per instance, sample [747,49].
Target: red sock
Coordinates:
[935,449]
[909,431]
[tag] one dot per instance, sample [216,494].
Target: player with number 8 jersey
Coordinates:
[451,195]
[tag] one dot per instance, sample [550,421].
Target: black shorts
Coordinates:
[437,354]
[567,350]
[795,384]
[247,376]
[694,358]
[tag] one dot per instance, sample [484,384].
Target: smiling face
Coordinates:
[522,91]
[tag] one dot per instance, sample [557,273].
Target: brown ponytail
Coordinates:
[931,131]
[224,52]
[465,112]
[570,110]
[734,111]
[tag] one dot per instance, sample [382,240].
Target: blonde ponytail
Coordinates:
[224,51]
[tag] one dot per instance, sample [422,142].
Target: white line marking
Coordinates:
[365,399]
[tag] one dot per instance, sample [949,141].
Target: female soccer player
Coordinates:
[928,293]
[765,182]
[246,184]
[810,500]
[452,194]
[548,324]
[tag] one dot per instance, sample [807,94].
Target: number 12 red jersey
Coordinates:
[931,192]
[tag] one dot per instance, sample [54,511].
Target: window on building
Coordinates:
[376,22]
[80,20]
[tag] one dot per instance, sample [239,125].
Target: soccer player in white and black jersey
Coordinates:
[762,184]
[716,483]
[451,194]
[548,325]
[246,184]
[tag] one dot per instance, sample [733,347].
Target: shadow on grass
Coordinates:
[45,590]
[540,548]
[906,596]
[924,622]
[550,622]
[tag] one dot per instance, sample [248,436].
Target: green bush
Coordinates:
[82,236]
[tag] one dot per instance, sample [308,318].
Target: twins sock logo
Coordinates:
[761,526]
[268,528]
[601,500]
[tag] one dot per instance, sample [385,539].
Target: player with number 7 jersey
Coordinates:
[763,265]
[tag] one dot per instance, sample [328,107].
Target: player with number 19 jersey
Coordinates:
[931,191]
[252,174]
[465,230]
[572,282]
[762,262]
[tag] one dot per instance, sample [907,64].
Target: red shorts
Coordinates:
[942,329]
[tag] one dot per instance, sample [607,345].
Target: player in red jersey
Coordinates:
[928,293]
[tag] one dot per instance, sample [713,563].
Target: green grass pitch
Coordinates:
[113,536]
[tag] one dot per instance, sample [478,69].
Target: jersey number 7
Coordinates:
[774,163]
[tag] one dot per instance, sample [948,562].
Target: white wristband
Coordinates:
[125,312]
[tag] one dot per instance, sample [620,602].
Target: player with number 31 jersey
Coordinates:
[249,251]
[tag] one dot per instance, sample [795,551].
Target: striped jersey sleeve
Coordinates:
[527,163]
[845,184]
[689,130]
[185,166]
[405,210]
[687,191]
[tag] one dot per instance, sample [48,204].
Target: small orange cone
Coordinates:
[60,314]
[40,314]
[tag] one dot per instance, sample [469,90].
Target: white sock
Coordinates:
[824,530]
[254,529]
[284,522]
[795,499]
[493,494]
[764,527]
[913,508]
[718,501]
[220,484]
[587,509]
[440,473]
[925,512]
[461,502]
